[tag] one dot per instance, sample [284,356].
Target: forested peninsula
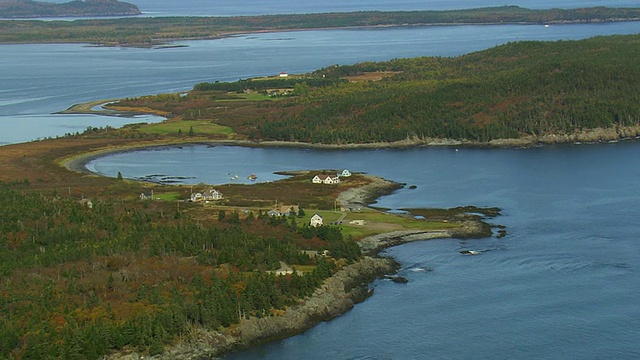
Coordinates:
[162,30]
[40,9]
[518,94]
[93,266]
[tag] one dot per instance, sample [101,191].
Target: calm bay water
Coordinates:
[563,283]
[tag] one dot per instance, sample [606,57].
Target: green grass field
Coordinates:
[168,196]
[375,222]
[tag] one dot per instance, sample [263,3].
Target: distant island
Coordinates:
[16,9]
[161,30]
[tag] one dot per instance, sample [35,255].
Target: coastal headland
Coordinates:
[44,166]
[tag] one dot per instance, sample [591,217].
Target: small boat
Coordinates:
[469,252]
[252,177]
[235,177]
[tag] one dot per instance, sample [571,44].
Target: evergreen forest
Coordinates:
[78,280]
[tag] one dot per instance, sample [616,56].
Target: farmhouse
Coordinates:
[316,220]
[325,179]
[209,195]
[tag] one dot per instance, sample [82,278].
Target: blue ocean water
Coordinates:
[562,284]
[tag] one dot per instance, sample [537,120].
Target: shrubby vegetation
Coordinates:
[77,281]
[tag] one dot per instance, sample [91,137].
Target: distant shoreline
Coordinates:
[159,31]
[169,42]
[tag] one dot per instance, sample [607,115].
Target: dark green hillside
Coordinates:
[512,90]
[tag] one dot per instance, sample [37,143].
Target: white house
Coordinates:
[319,179]
[273,213]
[195,197]
[212,194]
[283,74]
[316,220]
[332,180]
[345,173]
[209,195]
[325,179]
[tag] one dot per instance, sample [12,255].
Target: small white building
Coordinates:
[195,197]
[213,194]
[319,179]
[332,180]
[345,173]
[209,195]
[316,220]
[325,179]
[283,74]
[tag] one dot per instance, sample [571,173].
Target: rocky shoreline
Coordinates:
[338,294]
[372,245]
